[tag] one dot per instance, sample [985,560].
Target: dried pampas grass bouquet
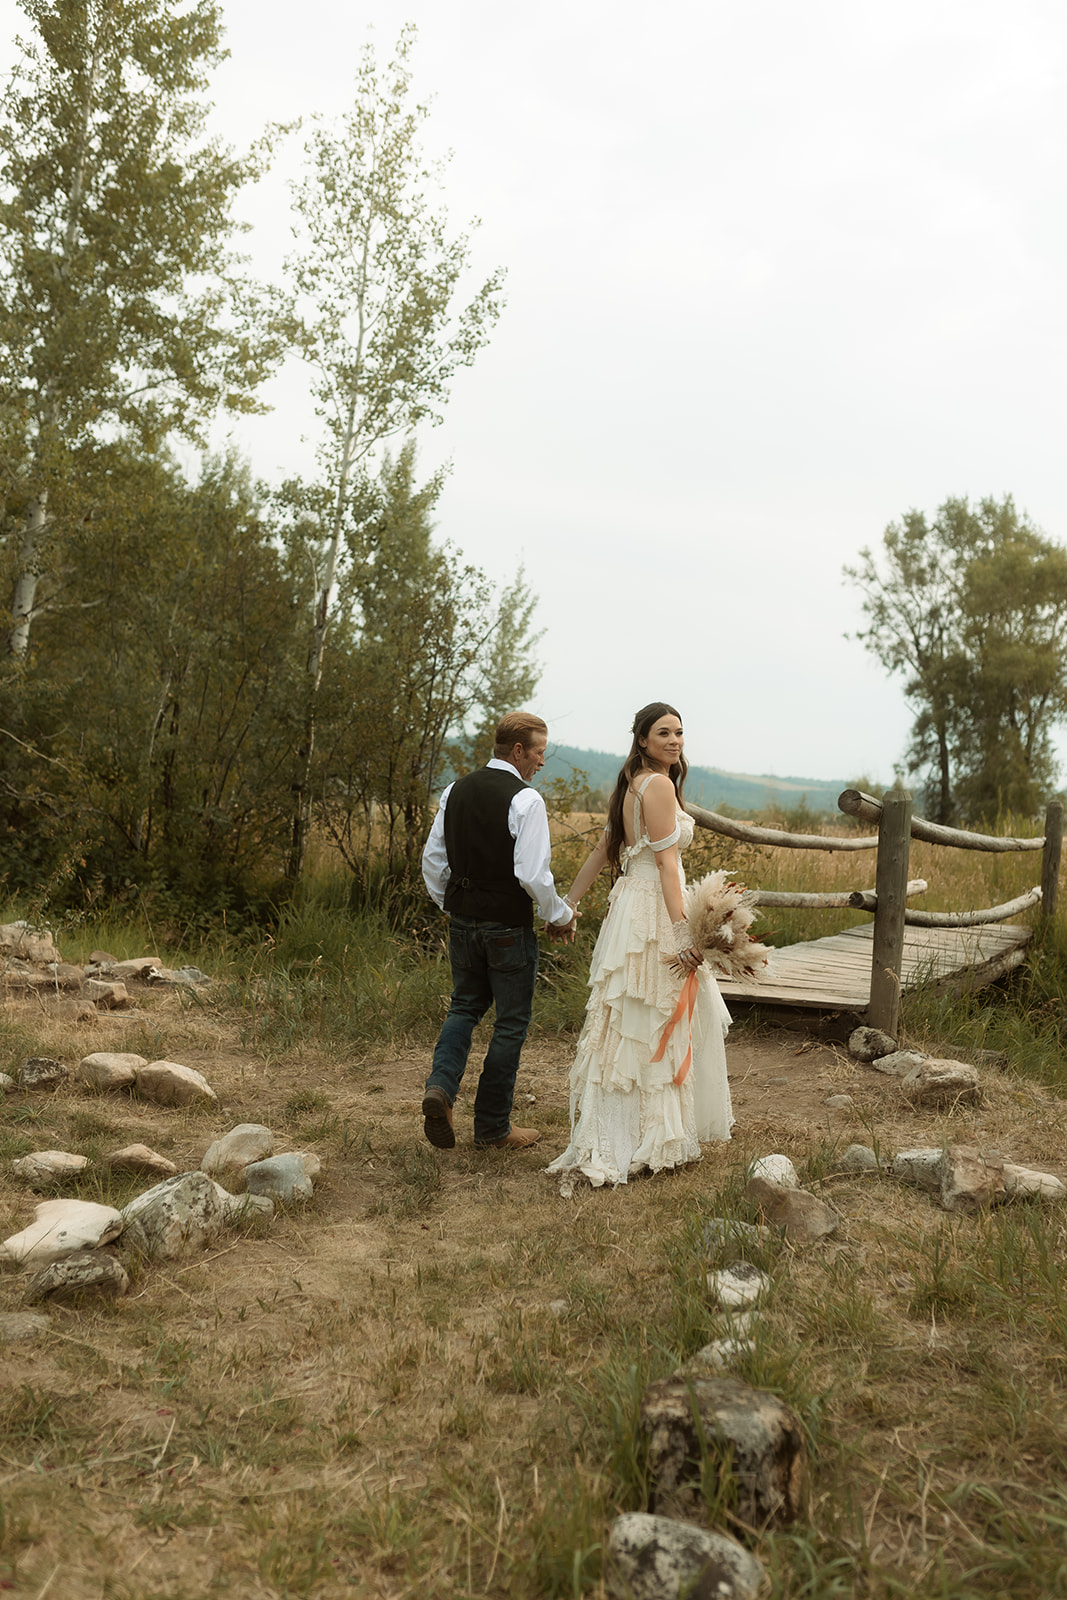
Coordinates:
[720,914]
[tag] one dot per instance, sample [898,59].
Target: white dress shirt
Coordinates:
[528,826]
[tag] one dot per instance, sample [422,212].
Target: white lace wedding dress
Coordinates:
[627,1112]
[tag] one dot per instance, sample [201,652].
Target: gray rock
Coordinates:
[42,1072]
[180,977]
[859,1158]
[719,1231]
[777,1170]
[167,1083]
[839,1102]
[59,1228]
[694,1425]
[899,1064]
[44,1169]
[803,1217]
[655,1558]
[177,1217]
[942,1083]
[140,1159]
[7,1083]
[64,975]
[281,1178]
[225,1159]
[739,1284]
[85,1272]
[22,1325]
[867,1044]
[719,1356]
[922,1167]
[106,1069]
[253,1212]
[131,971]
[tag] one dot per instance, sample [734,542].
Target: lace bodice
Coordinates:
[639,859]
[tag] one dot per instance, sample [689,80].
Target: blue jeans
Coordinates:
[490,962]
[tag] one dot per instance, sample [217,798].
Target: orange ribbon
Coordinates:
[686,1002]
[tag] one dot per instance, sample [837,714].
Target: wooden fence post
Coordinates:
[891,886]
[1050,858]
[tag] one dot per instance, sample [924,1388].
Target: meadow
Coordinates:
[426,1382]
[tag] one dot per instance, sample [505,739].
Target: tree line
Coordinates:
[199,668]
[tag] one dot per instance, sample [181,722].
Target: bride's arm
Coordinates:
[590,867]
[661,822]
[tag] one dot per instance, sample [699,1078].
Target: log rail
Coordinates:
[896,825]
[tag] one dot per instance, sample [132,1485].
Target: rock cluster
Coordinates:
[925,1081]
[29,963]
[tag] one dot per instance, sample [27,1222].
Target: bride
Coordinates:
[646,1087]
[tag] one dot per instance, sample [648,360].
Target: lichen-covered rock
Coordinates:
[177,1217]
[42,1072]
[107,1069]
[922,1167]
[899,1064]
[718,1231]
[867,1044]
[225,1159]
[740,1284]
[85,1272]
[656,1558]
[59,1228]
[693,1423]
[44,1169]
[167,1083]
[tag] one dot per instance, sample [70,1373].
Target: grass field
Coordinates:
[426,1383]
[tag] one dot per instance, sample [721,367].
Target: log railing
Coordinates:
[896,826]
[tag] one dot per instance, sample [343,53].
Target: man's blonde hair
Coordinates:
[518,727]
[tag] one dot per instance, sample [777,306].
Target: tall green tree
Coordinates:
[121,307]
[972,609]
[375,300]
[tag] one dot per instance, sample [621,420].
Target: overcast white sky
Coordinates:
[777,273]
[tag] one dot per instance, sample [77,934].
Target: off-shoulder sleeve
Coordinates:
[672,838]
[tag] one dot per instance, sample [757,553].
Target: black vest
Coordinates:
[481,852]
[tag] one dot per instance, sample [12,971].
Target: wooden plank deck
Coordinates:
[835,972]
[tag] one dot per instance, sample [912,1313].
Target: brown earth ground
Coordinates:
[378,1395]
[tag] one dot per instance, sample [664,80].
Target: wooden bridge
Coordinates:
[865,970]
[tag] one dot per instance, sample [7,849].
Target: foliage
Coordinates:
[972,609]
[122,302]
[371,296]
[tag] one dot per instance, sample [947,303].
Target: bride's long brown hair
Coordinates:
[631,767]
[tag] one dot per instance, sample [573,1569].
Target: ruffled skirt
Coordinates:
[627,1113]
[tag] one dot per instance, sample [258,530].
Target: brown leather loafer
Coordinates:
[437,1119]
[517,1139]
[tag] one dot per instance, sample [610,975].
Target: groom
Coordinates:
[487,863]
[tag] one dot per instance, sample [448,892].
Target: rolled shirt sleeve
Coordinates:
[528,822]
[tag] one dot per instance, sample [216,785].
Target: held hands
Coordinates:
[564,934]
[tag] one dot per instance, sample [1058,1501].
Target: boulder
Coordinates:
[941,1083]
[44,1169]
[85,1272]
[899,1064]
[140,1159]
[107,996]
[283,1179]
[803,1217]
[59,1228]
[970,1181]
[28,944]
[694,1425]
[225,1159]
[42,1072]
[867,1044]
[177,1217]
[107,1069]
[167,1083]
[655,1558]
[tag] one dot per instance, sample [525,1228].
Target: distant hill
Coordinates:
[708,786]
